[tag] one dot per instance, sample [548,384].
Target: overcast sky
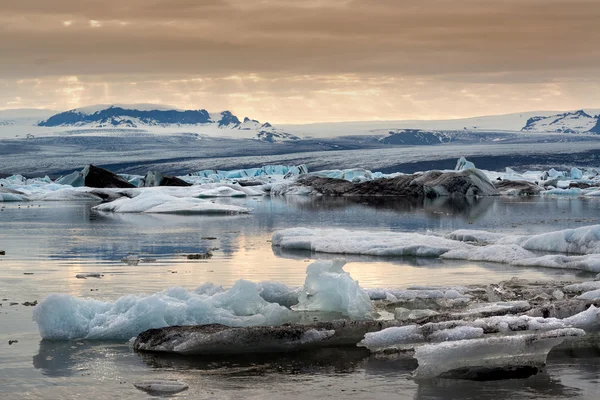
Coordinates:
[302,61]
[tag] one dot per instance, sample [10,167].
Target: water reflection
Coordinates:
[470,208]
[538,386]
[317,361]
[68,358]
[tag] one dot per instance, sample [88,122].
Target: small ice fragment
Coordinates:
[161,386]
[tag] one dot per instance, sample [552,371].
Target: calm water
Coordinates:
[47,244]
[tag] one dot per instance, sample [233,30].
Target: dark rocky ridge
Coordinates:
[431,184]
[97,177]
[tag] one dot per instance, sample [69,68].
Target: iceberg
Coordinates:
[329,288]
[157,202]
[7,195]
[64,317]
[490,358]
[463,164]
[341,241]
[581,246]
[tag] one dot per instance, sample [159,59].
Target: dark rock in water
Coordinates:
[108,196]
[579,185]
[30,304]
[250,183]
[492,374]
[430,184]
[173,181]
[221,339]
[200,256]
[153,178]
[521,188]
[102,178]
[2,253]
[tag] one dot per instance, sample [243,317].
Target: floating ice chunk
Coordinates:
[68,195]
[404,314]
[584,240]
[487,309]
[6,197]
[405,337]
[564,192]
[492,253]
[150,201]
[64,317]
[352,175]
[275,292]
[576,173]
[482,237]
[458,333]
[391,337]
[582,287]
[463,164]
[161,386]
[591,295]
[219,339]
[589,263]
[209,289]
[473,359]
[221,191]
[342,241]
[329,288]
[588,320]
[75,179]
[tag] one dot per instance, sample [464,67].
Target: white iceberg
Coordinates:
[581,245]
[341,241]
[157,202]
[329,288]
[485,357]
[64,317]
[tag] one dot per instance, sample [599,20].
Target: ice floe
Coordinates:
[157,202]
[489,358]
[64,317]
[580,246]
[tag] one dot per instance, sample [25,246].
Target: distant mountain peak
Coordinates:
[154,116]
[569,122]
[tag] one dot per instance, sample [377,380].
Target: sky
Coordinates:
[302,61]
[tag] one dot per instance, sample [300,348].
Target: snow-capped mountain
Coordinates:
[415,137]
[569,122]
[157,118]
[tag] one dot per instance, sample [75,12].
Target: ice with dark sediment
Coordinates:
[497,357]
